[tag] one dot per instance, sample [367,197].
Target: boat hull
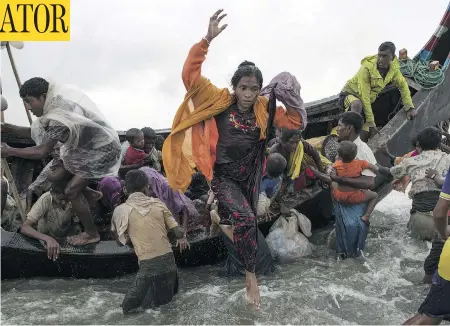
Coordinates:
[26,257]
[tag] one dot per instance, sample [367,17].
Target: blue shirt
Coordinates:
[270,186]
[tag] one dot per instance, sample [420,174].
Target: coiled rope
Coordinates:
[420,72]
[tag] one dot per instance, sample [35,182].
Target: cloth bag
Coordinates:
[286,243]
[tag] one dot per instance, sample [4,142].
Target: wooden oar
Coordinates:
[16,196]
[5,166]
[16,74]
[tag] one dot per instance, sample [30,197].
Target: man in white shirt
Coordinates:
[351,230]
[349,128]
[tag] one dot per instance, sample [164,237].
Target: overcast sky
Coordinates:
[128,55]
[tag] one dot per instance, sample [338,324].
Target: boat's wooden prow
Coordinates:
[432,106]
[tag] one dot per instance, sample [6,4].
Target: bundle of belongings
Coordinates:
[286,243]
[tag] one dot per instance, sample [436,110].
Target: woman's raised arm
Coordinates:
[192,69]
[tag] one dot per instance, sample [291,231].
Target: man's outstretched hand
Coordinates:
[213,28]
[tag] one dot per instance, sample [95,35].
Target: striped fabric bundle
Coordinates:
[426,54]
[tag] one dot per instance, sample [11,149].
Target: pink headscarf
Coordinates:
[287,92]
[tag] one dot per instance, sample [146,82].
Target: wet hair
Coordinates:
[58,189]
[287,134]
[353,119]
[275,165]
[132,133]
[34,87]
[135,181]
[387,46]
[347,151]
[148,132]
[429,138]
[247,69]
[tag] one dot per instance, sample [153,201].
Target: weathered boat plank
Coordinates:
[432,105]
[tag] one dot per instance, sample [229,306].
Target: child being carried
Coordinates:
[347,166]
[135,153]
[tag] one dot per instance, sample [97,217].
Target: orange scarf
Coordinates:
[193,139]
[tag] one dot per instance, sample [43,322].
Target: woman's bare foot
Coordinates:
[215,221]
[252,289]
[92,196]
[83,239]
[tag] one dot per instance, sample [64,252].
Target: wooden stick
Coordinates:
[16,74]
[16,196]
[5,166]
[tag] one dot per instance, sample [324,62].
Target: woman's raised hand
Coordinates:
[213,28]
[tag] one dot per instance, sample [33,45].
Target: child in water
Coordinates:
[347,166]
[135,153]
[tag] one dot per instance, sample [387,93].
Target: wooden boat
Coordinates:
[24,257]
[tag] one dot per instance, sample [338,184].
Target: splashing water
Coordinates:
[381,289]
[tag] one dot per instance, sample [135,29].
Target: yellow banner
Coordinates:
[34,20]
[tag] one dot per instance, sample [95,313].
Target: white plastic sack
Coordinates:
[90,155]
[286,243]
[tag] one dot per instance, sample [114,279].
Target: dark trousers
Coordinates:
[431,262]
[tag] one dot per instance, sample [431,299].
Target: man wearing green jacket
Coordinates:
[375,73]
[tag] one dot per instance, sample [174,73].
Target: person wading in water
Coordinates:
[223,135]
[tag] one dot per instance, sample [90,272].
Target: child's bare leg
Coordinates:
[215,220]
[226,229]
[371,198]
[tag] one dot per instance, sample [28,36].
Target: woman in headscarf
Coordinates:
[112,190]
[223,134]
[90,147]
[300,156]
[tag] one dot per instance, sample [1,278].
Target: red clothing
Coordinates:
[349,197]
[352,169]
[134,155]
